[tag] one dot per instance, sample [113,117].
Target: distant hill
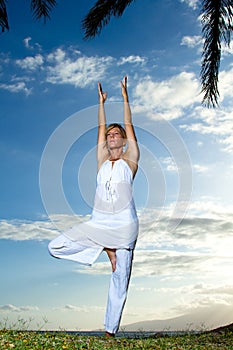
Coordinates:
[223,329]
[201,319]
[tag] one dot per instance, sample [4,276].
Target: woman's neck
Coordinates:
[115,155]
[114,159]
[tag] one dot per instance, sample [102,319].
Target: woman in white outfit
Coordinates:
[113,226]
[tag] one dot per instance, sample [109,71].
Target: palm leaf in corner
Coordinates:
[42,8]
[3,16]
[217,17]
[100,15]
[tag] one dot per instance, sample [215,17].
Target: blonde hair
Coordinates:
[116,125]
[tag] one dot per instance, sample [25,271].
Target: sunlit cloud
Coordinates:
[192,41]
[227,49]
[16,88]
[76,69]
[225,84]
[21,230]
[200,244]
[191,3]
[82,308]
[217,122]
[206,226]
[26,42]
[198,168]
[178,92]
[169,164]
[132,59]
[19,309]
[30,62]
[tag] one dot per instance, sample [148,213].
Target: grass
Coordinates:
[221,339]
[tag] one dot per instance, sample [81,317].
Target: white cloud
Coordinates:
[213,289]
[192,41]
[192,3]
[26,42]
[202,216]
[170,96]
[217,122]
[169,164]
[227,49]
[16,88]
[201,228]
[78,70]
[58,56]
[19,309]
[166,262]
[202,243]
[200,168]
[199,288]
[37,230]
[132,59]
[30,62]
[60,66]
[82,308]
[70,66]
[225,84]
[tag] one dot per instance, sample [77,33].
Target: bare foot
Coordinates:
[109,335]
[112,257]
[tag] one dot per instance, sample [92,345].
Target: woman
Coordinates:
[113,226]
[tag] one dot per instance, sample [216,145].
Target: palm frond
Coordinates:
[100,15]
[3,16]
[42,8]
[217,19]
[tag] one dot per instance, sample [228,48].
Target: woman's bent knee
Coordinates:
[53,246]
[50,249]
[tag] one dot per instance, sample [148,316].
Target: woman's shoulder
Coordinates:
[132,166]
[101,163]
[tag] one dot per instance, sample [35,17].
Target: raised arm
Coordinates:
[102,151]
[132,152]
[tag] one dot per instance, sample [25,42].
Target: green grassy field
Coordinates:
[14,339]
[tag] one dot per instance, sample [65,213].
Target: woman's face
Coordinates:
[114,139]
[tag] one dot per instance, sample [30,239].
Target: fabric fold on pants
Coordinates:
[118,290]
[62,247]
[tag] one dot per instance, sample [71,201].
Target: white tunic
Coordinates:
[114,222]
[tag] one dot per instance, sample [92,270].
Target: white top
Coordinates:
[114,222]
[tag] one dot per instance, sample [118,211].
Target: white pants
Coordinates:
[62,247]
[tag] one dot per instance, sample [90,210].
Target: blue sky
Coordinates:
[48,87]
